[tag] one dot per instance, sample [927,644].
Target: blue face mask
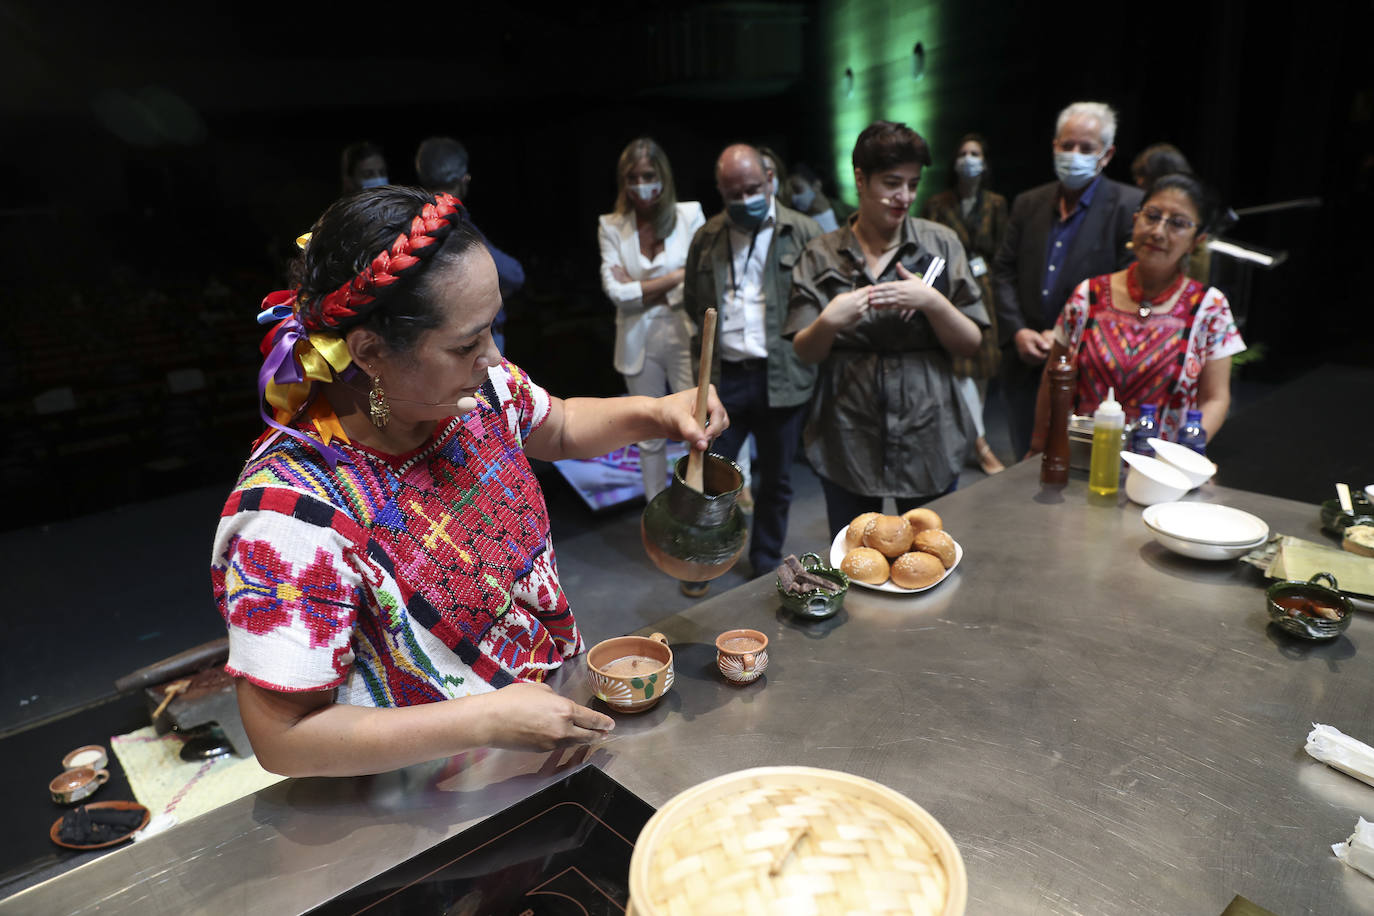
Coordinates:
[969,166]
[1075,170]
[802,200]
[748,213]
[377,182]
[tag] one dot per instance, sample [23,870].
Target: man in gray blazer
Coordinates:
[1058,235]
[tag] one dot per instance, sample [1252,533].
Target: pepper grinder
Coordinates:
[1054,463]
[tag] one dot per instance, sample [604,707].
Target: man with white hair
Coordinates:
[1058,235]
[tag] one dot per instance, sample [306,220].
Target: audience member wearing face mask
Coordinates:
[979,217]
[362,166]
[808,196]
[643,248]
[1058,235]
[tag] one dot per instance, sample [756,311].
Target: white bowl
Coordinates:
[1153,481]
[1206,523]
[1197,468]
[1200,551]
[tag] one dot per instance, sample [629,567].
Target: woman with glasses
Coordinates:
[1148,331]
[883,304]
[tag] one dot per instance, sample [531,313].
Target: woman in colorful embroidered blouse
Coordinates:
[387,544]
[1148,331]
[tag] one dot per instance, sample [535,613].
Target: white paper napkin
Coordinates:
[1358,851]
[1337,749]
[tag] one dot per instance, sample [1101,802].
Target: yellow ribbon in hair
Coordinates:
[322,357]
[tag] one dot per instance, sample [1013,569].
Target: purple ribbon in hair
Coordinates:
[282,366]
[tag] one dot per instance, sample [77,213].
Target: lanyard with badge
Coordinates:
[733,317]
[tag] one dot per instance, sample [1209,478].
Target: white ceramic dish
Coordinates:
[1197,468]
[1151,481]
[837,553]
[1206,523]
[1203,551]
[1205,531]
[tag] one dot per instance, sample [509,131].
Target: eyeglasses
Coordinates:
[1175,224]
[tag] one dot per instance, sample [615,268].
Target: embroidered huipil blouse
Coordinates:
[1156,360]
[398,579]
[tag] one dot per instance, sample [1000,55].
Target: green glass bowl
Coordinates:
[815,604]
[1309,627]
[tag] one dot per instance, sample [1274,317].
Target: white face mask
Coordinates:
[377,182]
[969,165]
[647,191]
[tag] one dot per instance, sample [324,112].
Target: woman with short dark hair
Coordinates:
[383,563]
[886,419]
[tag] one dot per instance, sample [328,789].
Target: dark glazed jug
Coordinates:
[695,536]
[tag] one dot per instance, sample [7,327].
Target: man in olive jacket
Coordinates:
[740,263]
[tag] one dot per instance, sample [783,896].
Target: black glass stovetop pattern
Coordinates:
[564,851]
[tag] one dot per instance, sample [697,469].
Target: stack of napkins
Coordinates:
[1337,749]
[1358,851]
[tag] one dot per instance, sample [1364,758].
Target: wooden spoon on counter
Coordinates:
[696,459]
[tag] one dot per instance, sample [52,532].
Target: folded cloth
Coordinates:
[1358,851]
[86,827]
[1337,749]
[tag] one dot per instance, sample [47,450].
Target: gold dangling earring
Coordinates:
[377,407]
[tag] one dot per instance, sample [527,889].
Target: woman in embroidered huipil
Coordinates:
[1148,331]
[387,544]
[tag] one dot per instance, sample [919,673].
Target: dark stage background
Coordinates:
[161,159]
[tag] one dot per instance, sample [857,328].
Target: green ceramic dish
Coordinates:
[1335,521]
[1291,619]
[816,604]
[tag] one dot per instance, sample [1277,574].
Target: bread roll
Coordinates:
[864,564]
[889,534]
[916,570]
[923,520]
[854,535]
[936,543]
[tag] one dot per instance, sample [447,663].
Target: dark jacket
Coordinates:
[707,277]
[1098,248]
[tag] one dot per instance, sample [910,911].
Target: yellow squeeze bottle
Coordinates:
[1104,471]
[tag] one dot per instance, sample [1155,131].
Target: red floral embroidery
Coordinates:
[264,593]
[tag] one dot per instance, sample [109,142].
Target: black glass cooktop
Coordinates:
[562,852]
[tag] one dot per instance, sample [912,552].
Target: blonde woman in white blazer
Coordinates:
[643,248]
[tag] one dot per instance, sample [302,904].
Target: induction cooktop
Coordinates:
[564,851]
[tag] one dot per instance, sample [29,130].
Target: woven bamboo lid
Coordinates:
[795,841]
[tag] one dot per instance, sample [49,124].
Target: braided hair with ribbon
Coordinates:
[363,266]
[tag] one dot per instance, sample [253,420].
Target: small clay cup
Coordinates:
[741,655]
[89,755]
[74,785]
[636,692]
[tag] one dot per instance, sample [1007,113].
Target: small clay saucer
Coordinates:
[56,830]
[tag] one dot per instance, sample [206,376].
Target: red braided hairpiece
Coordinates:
[387,267]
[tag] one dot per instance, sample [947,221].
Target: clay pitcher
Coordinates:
[696,536]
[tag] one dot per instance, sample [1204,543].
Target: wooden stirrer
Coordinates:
[696,459]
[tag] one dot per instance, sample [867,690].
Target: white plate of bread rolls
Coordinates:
[903,554]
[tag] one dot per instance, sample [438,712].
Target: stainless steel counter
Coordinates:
[1102,726]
